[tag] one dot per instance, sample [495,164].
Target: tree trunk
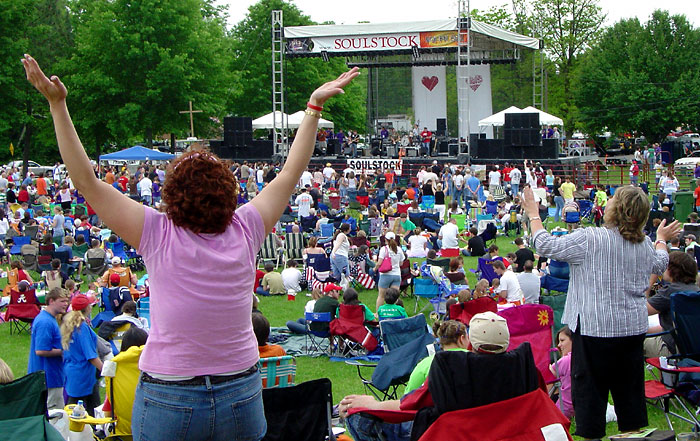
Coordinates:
[149,138]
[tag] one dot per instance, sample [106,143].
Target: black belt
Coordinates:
[200,380]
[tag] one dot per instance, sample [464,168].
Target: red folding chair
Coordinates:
[464,312]
[532,323]
[22,310]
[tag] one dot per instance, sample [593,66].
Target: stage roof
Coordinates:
[396,38]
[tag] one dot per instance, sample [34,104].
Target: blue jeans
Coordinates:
[297,327]
[147,200]
[363,428]
[227,411]
[340,265]
[457,196]
[514,189]
[559,202]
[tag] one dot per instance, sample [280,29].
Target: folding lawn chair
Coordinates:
[550,286]
[29,254]
[533,324]
[461,220]
[22,310]
[308,224]
[489,231]
[23,413]
[467,389]
[318,337]
[678,388]
[31,231]
[491,209]
[107,314]
[395,367]
[277,371]
[318,270]
[442,263]
[122,376]
[294,246]
[95,267]
[484,269]
[270,250]
[327,230]
[406,277]
[428,203]
[354,338]
[463,312]
[18,242]
[299,413]
[426,289]
[118,249]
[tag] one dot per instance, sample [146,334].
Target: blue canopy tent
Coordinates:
[137,153]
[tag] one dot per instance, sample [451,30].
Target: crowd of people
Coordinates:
[201,226]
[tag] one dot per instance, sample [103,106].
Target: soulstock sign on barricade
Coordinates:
[371,165]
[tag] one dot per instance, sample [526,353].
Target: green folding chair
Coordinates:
[277,371]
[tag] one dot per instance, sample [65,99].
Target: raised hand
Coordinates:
[332,88]
[53,89]
[531,207]
[667,232]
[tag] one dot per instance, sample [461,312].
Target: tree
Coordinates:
[137,64]
[642,78]
[251,41]
[42,26]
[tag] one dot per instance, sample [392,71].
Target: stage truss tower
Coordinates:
[280,139]
[463,74]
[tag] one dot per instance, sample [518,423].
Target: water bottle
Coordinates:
[79,410]
[663,362]
[415,266]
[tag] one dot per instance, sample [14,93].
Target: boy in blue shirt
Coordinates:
[45,350]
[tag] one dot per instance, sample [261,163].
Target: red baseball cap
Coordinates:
[114,279]
[331,287]
[80,302]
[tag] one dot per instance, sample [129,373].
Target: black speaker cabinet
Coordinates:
[441,124]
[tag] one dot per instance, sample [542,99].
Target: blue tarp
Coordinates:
[137,153]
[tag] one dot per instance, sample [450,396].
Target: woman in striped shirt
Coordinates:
[606,305]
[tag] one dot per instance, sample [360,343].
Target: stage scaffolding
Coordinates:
[484,44]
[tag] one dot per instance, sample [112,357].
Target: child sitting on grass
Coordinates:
[390,310]
[261,328]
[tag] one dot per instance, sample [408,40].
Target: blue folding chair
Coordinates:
[327,230]
[428,203]
[426,289]
[491,208]
[107,314]
[84,233]
[18,242]
[317,341]
[118,249]
[144,308]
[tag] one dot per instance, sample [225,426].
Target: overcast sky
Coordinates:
[385,11]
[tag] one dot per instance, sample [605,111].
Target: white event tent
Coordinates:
[498,119]
[293,121]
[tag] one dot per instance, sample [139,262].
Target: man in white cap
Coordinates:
[328,173]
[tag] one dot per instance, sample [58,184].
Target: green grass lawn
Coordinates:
[14,349]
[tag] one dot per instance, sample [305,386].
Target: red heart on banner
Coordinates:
[475,82]
[430,82]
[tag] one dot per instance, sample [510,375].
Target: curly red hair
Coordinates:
[200,193]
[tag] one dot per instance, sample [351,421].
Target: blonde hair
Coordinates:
[316,294]
[6,375]
[481,288]
[71,321]
[464,296]
[628,213]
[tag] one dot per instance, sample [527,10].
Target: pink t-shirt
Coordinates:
[201,297]
[563,368]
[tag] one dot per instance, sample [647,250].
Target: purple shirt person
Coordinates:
[696,173]
[340,136]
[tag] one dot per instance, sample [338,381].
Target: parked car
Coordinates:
[689,162]
[35,168]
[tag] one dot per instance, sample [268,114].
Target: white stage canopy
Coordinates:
[545,118]
[498,118]
[367,37]
[265,121]
[295,121]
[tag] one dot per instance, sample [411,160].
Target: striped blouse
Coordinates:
[608,277]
